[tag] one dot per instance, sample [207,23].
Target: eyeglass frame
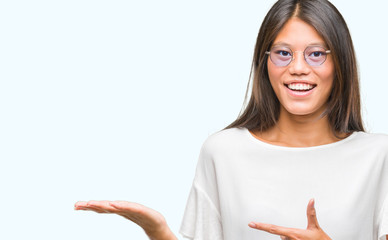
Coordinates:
[304,55]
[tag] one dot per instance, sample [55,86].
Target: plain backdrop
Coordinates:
[113,100]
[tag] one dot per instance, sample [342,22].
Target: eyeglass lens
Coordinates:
[282,56]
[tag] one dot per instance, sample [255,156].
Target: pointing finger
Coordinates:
[312,221]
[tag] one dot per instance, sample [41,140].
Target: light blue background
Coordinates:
[113,99]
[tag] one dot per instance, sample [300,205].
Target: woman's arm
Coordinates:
[152,222]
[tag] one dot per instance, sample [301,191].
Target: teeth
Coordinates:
[300,86]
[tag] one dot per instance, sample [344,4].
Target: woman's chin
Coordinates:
[302,111]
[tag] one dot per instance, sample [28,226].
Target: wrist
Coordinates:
[162,233]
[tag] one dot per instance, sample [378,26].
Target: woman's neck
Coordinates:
[299,131]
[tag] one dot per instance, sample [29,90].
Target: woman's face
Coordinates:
[301,89]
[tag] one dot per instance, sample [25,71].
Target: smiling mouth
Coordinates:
[300,87]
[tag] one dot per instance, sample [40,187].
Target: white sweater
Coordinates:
[240,179]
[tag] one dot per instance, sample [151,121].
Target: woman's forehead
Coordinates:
[297,33]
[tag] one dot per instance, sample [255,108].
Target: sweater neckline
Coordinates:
[280,147]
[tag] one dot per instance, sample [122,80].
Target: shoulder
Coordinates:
[375,138]
[372,141]
[224,139]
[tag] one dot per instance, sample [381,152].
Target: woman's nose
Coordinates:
[298,65]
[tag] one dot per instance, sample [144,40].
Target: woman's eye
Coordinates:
[317,54]
[283,53]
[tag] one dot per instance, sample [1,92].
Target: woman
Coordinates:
[299,139]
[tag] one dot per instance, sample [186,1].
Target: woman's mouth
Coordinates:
[300,86]
[300,89]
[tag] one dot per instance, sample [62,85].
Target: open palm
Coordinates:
[153,223]
[312,232]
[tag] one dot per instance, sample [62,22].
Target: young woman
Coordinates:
[300,139]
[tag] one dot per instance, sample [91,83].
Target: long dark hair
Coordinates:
[262,110]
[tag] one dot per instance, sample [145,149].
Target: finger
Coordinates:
[277,230]
[125,206]
[103,206]
[133,211]
[312,221]
[96,206]
[97,210]
[80,204]
[88,208]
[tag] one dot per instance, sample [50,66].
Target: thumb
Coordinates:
[312,221]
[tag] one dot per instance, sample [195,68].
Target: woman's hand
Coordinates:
[150,220]
[313,231]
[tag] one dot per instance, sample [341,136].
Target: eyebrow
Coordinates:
[310,44]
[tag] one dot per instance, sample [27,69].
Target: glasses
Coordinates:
[282,56]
